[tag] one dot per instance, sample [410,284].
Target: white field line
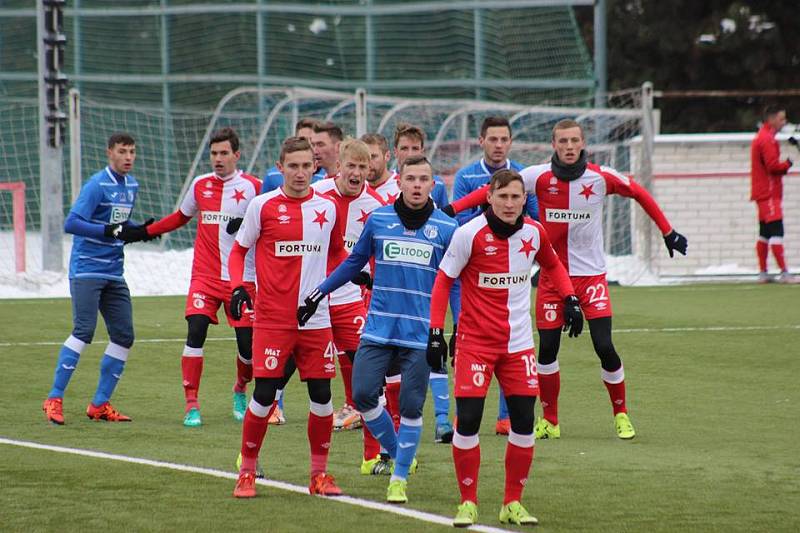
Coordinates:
[367,504]
[620,330]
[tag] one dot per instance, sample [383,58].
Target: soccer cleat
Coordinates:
[515,513]
[105,412]
[54,410]
[324,485]
[259,468]
[277,418]
[547,430]
[396,492]
[787,278]
[245,485]
[346,418]
[623,426]
[466,515]
[443,433]
[239,405]
[411,469]
[192,418]
[378,466]
[502,427]
[763,277]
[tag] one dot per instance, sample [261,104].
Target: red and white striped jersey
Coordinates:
[389,190]
[572,212]
[218,201]
[354,211]
[297,243]
[495,276]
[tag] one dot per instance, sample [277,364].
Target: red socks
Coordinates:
[615,384]
[393,401]
[371,445]
[320,427]
[192,369]
[549,389]
[244,373]
[254,428]
[762,248]
[519,456]
[346,368]
[467,459]
[777,251]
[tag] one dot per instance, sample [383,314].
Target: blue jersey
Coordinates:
[406,262]
[477,175]
[274,179]
[104,199]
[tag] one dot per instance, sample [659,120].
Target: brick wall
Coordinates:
[702,183]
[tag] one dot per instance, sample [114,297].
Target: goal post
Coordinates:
[17,190]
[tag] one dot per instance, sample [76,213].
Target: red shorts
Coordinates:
[313,352]
[347,322]
[592,291]
[516,372]
[206,296]
[770,210]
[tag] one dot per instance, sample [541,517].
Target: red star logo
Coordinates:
[364,216]
[587,191]
[390,198]
[238,196]
[321,218]
[527,247]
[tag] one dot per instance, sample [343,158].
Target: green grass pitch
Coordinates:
[713,375]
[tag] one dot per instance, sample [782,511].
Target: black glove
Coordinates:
[449,211]
[233,225]
[789,160]
[452,346]
[794,142]
[573,318]
[135,232]
[240,297]
[437,349]
[675,241]
[112,230]
[307,310]
[363,278]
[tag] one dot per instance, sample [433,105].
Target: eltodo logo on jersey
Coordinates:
[409,252]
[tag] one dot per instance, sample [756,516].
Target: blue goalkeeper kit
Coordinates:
[96,280]
[406,263]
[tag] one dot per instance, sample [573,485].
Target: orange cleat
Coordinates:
[324,485]
[106,412]
[54,410]
[502,427]
[245,485]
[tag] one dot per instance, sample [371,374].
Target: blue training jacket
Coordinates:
[406,263]
[107,198]
[477,175]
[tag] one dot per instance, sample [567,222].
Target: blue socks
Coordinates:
[111,367]
[441,397]
[380,424]
[408,438]
[67,361]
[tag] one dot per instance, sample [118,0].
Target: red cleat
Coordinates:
[502,427]
[245,485]
[54,410]
[106,412]
[324,485]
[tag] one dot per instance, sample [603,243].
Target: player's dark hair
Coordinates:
[376,139]
[225,134]
[334,131]
[294,144]
[503,177]
[771,110]
[415,160]
[404,129]
[566,124]
[494,122]
[121,138]
[304,123]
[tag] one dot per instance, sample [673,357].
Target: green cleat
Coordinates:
[467,515]
[623,426]
[376,466]
[546,430]
[239,405]
[259,468]
[396,493]
[515,513]
[192,418]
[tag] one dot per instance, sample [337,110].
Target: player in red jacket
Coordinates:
[766,189]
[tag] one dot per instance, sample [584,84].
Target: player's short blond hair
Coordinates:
[566,124]
[294,144]
[353,149]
